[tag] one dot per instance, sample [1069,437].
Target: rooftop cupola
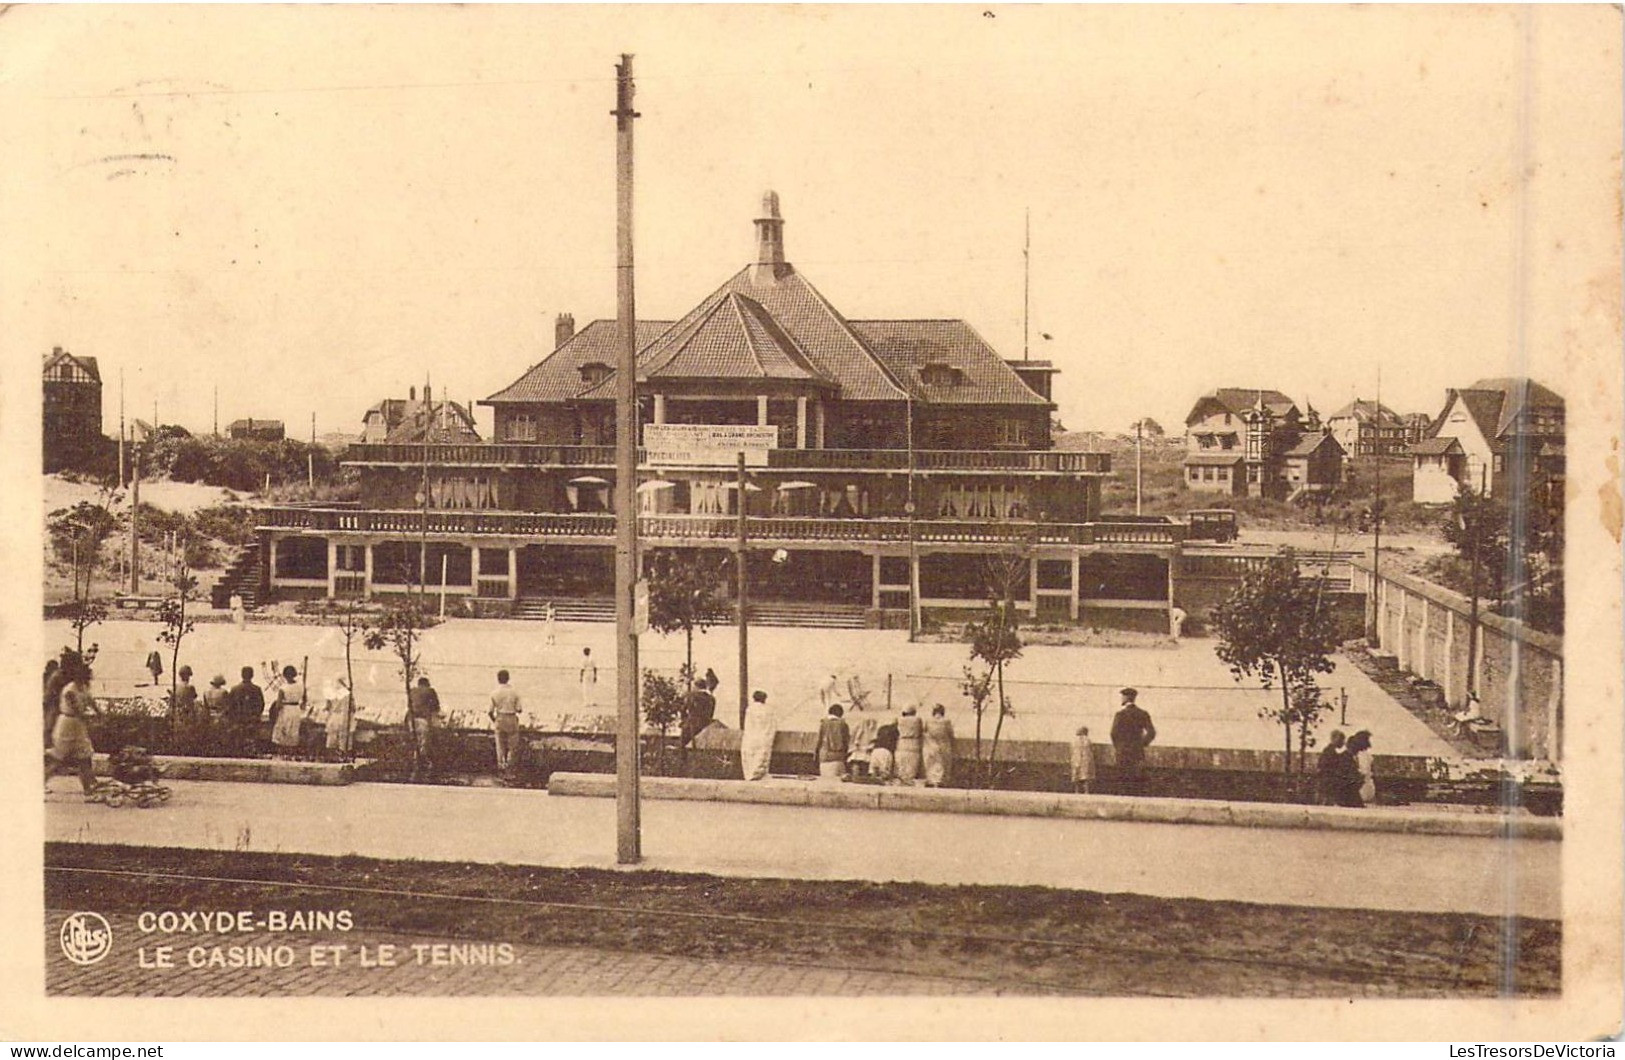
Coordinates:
[770,266]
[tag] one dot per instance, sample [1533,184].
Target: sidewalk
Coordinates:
[1301,867]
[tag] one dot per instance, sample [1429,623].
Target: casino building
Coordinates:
[885,458]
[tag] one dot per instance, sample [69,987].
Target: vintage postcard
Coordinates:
[1037,522]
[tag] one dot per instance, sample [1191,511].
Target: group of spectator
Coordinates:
[232,720]
[874,747]
[1343,775]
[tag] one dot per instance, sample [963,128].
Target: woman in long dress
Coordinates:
[939,748]
[910,745]
[756,742]
[290,714]
[340,720]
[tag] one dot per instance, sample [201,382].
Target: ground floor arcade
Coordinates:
[1133,586]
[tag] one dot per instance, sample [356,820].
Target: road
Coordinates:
[1300,867]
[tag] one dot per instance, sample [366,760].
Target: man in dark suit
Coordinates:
[245,703]
[1132,733]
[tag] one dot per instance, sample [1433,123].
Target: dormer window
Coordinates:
[594,372]
[940,373]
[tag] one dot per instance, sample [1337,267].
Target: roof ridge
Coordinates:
[874,358]
[735,299]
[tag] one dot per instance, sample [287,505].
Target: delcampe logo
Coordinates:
[86,937]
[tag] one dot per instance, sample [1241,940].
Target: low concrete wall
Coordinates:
[245,770]
[1520,670]
[785,792]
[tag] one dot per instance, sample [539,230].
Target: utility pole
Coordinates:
[310,457]
[741,594]
[1139,432]
[135,508]
[913,548]
[1376,539]
[1026,277]
[1474,528]
[628,825]
[121,478]
[423,506]
[217,410]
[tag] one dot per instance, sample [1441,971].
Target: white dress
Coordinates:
[756,742]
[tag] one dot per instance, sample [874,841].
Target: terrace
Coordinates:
[600,528]
[510,455]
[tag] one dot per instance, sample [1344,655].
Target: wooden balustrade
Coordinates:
[722,528]
[517,454]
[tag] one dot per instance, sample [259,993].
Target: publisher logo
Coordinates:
[86,937]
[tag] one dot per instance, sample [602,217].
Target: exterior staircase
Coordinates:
[242,577]
[808,616]
[566,608]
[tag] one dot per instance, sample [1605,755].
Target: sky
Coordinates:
[313,208]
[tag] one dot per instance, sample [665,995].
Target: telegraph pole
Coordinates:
[628,826]
[121,478]
[1139,432]
[741,594]
[135,508]
[1026,277]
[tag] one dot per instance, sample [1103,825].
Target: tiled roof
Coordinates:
[558,376]
[254,424]
[1495,403]
[1518,394]
[1435,447]
[905,346]
[449,422]
[1212,459]
[734,339]
[1366,412]
[1237,400]
[88,364]
[1309,441]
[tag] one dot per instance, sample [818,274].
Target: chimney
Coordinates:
[411,393]
[427,400]
[564,329]
[770,266]
[55,350]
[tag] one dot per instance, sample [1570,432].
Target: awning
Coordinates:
[798,485]
[750,487]
[589,480]
[654,484]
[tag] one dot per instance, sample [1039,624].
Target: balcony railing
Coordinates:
[720,528]
[514,455]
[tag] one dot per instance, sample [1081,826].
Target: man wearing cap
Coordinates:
[1132,733]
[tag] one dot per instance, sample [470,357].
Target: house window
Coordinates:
[594,372]
[521,428]
[1499,464]
[1011,432]
[1227,441]
[940,373]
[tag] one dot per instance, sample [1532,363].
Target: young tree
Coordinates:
[352,619]
[1477,526]
[176,622]
[77,535]
[1274,627]
[86,613]
[400,630]
[663,703]
[994,642]
[685,593]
